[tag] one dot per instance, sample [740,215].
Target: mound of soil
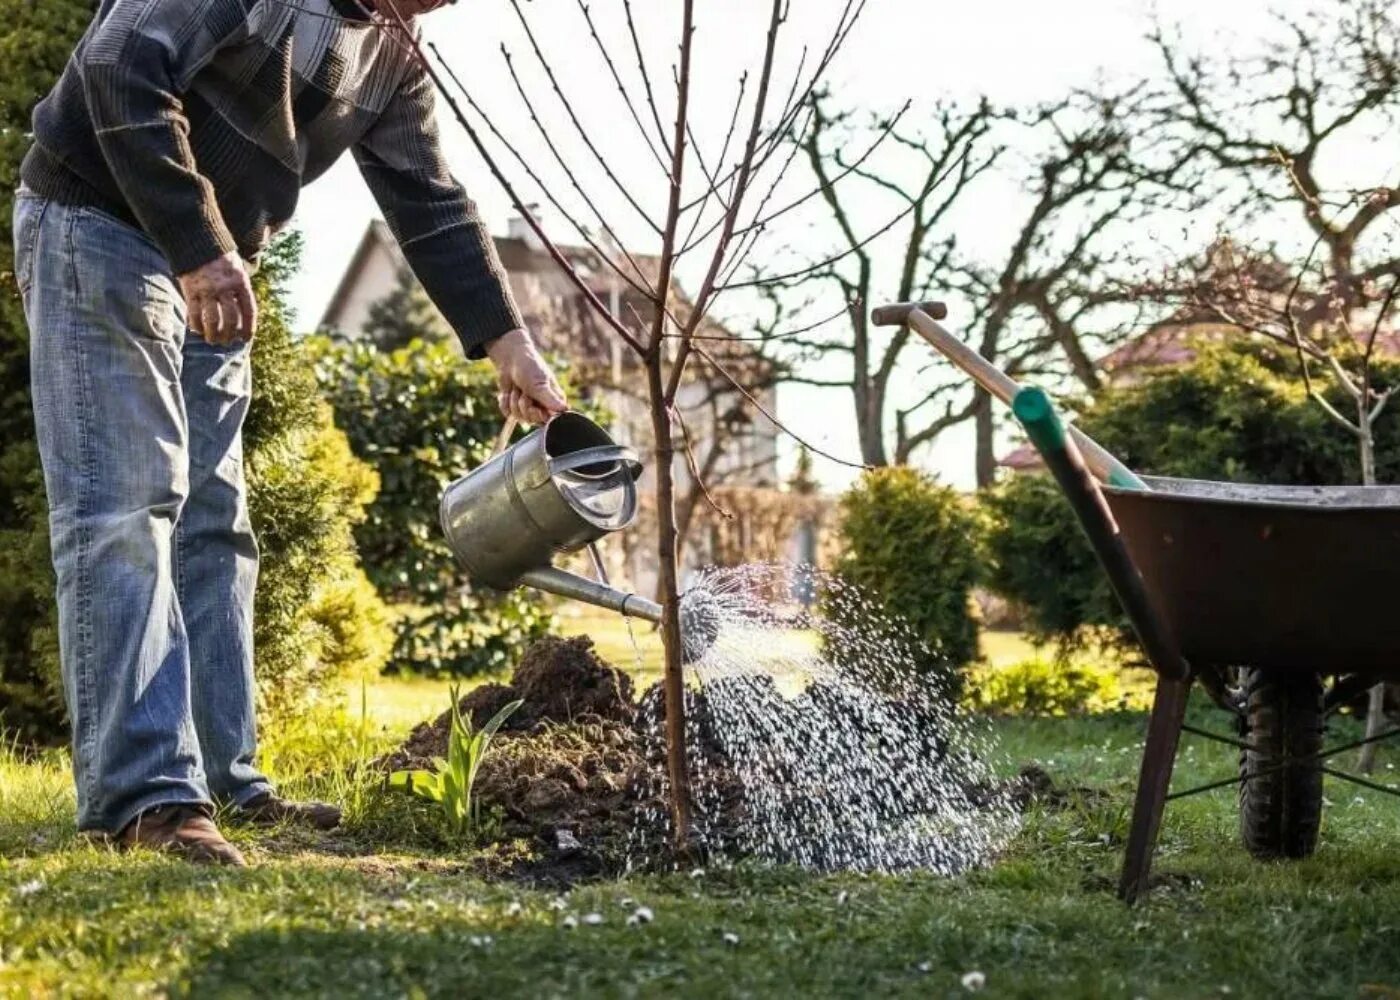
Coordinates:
[559,681]
[1035,786]
[564,680]
[578,771]
[570,770]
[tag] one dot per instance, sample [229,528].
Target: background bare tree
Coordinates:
[1268,138]
[1056,292]
[714,200]
[838,150]
[726,423]
[1061,292]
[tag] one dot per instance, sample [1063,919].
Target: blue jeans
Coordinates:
[140,429]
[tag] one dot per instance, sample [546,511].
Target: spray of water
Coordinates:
[823,735]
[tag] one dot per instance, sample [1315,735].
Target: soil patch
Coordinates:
[1035,786]
[578,772]
[559,681]
[572,770]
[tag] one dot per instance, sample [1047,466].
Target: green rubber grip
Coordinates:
[1050,435]
[1037,415]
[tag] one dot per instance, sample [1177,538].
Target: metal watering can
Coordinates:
[557,490]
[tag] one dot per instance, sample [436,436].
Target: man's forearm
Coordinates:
[446,243]
[459,270]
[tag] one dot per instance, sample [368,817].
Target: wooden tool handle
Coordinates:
[503,438]
[898,314]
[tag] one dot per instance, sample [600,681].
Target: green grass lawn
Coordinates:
[381,912]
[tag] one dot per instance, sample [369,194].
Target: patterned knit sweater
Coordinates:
[199,121]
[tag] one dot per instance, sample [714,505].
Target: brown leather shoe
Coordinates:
[270,810]
[183,830]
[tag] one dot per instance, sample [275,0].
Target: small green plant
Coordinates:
[451,784]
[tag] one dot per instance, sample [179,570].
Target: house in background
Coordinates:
[734,447]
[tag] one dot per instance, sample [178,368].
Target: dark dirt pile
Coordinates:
[572,770]
[560,681]
[579,770]
[1034,786]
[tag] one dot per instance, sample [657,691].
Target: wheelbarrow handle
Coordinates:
[1050,436]
[1102,463]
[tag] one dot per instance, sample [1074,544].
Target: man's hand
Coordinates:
[528,391]
[219,301]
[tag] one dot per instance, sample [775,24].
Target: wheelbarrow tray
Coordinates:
[1281,578]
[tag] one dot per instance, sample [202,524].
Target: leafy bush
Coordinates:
[1045,687]
[911,546]
[317,619]
[422,417]
[1236,413]
[34,46]
[1037,556]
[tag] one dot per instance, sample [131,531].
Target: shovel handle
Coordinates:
[898,313]
[1106,467]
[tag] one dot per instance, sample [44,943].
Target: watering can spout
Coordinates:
[577,588]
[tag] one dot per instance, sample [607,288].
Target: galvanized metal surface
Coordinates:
[577,588]
[560,488]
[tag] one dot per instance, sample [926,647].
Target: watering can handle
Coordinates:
[503,438]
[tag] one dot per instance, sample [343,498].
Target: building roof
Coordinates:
[557,313]
[1173,342]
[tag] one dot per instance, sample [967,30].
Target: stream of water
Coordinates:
[823,735]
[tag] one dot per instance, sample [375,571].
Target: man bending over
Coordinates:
[171,151]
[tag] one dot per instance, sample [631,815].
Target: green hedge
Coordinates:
[1037,556]
[318,619]
[911,545]
[421,416]
[1238,412]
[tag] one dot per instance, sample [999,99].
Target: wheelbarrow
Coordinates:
[1279,600]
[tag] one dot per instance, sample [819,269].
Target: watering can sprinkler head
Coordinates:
[699,613]
[558,490]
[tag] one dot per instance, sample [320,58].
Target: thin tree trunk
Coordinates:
[1375,709]
[677,766]
[872,431]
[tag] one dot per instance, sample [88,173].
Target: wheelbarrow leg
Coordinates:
[1033,408]
[1158,758]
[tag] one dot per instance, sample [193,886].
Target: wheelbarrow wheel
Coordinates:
[1281,808]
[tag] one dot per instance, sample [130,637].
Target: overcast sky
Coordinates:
[1014,51]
